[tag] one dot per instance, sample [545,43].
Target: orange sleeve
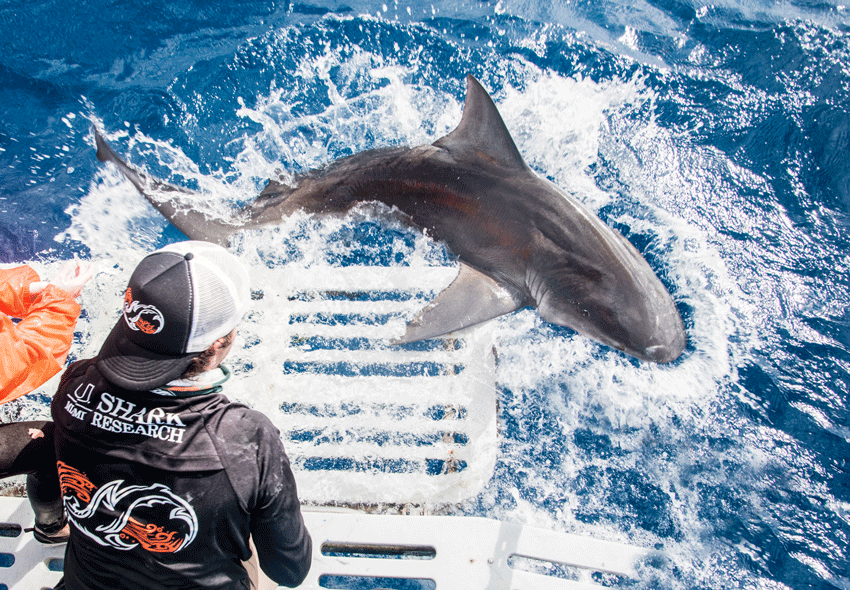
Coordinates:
[33,350]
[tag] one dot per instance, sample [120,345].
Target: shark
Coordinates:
[520,241]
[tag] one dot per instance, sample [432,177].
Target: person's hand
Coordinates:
[70,278]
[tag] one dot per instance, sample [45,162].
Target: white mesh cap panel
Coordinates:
[221,292]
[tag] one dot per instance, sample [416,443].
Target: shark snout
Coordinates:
[647,328]
[663,353]
[665,342]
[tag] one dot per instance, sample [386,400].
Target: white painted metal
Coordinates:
[468,553]
[31,560]
[387,437]
[368,422]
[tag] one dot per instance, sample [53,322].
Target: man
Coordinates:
[164,480]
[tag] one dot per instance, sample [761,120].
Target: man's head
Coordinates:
[211,358]
[180,300]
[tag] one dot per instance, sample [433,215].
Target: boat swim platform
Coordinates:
[357,550]
[366,422]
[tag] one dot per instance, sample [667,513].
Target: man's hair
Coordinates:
[198,364]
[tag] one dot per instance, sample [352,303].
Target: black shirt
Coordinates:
[163,491]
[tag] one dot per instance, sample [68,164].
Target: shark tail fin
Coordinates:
[105,153]
[193,223]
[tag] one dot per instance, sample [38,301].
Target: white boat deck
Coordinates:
[364,421]
[352,549]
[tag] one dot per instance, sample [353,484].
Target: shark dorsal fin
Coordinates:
[273,188]
[482,131]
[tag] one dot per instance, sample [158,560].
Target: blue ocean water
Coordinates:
[714,136]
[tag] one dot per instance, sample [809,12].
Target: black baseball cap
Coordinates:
[179,301]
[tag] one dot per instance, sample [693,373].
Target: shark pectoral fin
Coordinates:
[470,299]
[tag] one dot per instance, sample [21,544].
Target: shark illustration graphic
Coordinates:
[520,240]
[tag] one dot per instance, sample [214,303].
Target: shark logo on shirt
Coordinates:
[125,516]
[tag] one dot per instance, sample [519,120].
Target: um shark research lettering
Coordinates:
[113,414]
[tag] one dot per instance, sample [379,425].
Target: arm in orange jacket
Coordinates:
[34,349]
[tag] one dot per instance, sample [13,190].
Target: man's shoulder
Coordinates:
[80,366]
[236,410]
[235,422]
[250,447]
[75,370]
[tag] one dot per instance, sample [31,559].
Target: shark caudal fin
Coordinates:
[194,224]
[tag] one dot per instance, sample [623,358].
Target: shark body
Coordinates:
[520,240]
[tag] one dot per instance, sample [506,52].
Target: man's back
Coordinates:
[162,492]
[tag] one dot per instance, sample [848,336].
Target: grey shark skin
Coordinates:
[520,240]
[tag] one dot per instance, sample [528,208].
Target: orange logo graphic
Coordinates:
[126,516]
[140,317]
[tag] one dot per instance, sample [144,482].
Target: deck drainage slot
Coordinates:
[372,583]
[378,551]
[559,570]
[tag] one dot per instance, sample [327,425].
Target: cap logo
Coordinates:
[140,317]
